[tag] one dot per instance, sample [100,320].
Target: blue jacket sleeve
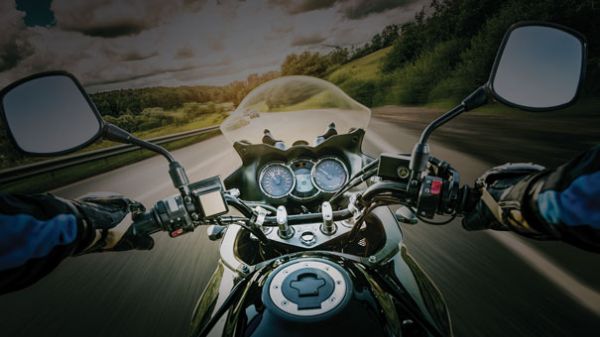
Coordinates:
[566,201]
[36,234]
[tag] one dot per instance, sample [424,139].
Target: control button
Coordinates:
[436,187]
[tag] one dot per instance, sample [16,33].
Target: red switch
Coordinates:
[436,187]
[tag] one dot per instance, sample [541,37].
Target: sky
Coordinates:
[111,44]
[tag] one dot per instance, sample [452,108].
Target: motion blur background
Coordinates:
[160,67]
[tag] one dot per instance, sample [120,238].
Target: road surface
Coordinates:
[495,283]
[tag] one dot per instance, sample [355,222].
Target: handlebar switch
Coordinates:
[285,230]
[429,196]
[173,216]
[328,227]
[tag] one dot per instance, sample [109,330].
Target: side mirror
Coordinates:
[539,67]
[49,114]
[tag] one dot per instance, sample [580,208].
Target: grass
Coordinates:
[52,180]
[367,68]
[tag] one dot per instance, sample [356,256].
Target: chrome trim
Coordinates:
[312,174]
[227,249]
[330,303]
[262,173]
[314,228]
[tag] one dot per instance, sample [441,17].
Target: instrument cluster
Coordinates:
[302,179]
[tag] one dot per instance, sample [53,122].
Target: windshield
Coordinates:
[294,108]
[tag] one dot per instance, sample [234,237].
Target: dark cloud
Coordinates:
[358,9]
[127,55]
[302,6]
[14,45]
[352,9]
[308,40]
[184,53]
[132,77]
[115,18]
[137,56]
[108,31]
[12,53]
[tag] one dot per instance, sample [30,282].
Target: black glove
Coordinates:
[107,222]
[504,198]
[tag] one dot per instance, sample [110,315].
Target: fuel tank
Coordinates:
[316,295]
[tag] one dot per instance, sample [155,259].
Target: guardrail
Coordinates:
[29,170]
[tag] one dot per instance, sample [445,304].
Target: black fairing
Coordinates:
[345,147]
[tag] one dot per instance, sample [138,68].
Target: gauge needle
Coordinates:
[327,175]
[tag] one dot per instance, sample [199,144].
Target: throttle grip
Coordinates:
[146,224]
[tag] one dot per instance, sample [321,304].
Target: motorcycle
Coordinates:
[309,244]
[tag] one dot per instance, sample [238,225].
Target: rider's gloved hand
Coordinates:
[107,220]
[504,199]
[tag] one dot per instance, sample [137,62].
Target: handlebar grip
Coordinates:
[146,224]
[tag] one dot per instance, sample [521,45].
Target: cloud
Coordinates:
[351,9]
[184,53]
[219,43]
[14,46]
[302,6]
[114,18]
[357,9]
[308,40]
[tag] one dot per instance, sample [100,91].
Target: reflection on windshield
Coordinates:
[294,108]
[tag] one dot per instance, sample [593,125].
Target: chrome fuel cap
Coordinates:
[306,288]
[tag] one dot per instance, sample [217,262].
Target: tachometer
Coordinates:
[329,174]
[276,180]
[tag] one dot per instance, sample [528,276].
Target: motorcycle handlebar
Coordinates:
[146,224]
[298,219]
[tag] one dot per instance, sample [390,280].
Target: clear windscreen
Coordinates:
[294,108]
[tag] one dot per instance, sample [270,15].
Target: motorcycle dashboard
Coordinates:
[304,178]
[301,175]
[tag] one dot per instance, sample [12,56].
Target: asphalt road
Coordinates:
[495,283]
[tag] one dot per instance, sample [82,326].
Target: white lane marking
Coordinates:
[584,295]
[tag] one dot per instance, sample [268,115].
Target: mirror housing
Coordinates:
[41,111]
[50,114]
[539,66]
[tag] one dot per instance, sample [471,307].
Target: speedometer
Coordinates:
[329,174]
[276,180]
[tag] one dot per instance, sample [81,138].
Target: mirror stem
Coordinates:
[176,171]
[420,153]
[116,134]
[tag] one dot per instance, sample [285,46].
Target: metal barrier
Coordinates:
[29,170]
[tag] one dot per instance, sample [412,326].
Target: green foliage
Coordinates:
[362,91]
[306,63]
[447,54]
[134,101]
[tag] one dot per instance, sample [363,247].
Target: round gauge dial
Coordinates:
[276,180]
[329,174]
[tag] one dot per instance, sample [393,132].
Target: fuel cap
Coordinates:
[306,288]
